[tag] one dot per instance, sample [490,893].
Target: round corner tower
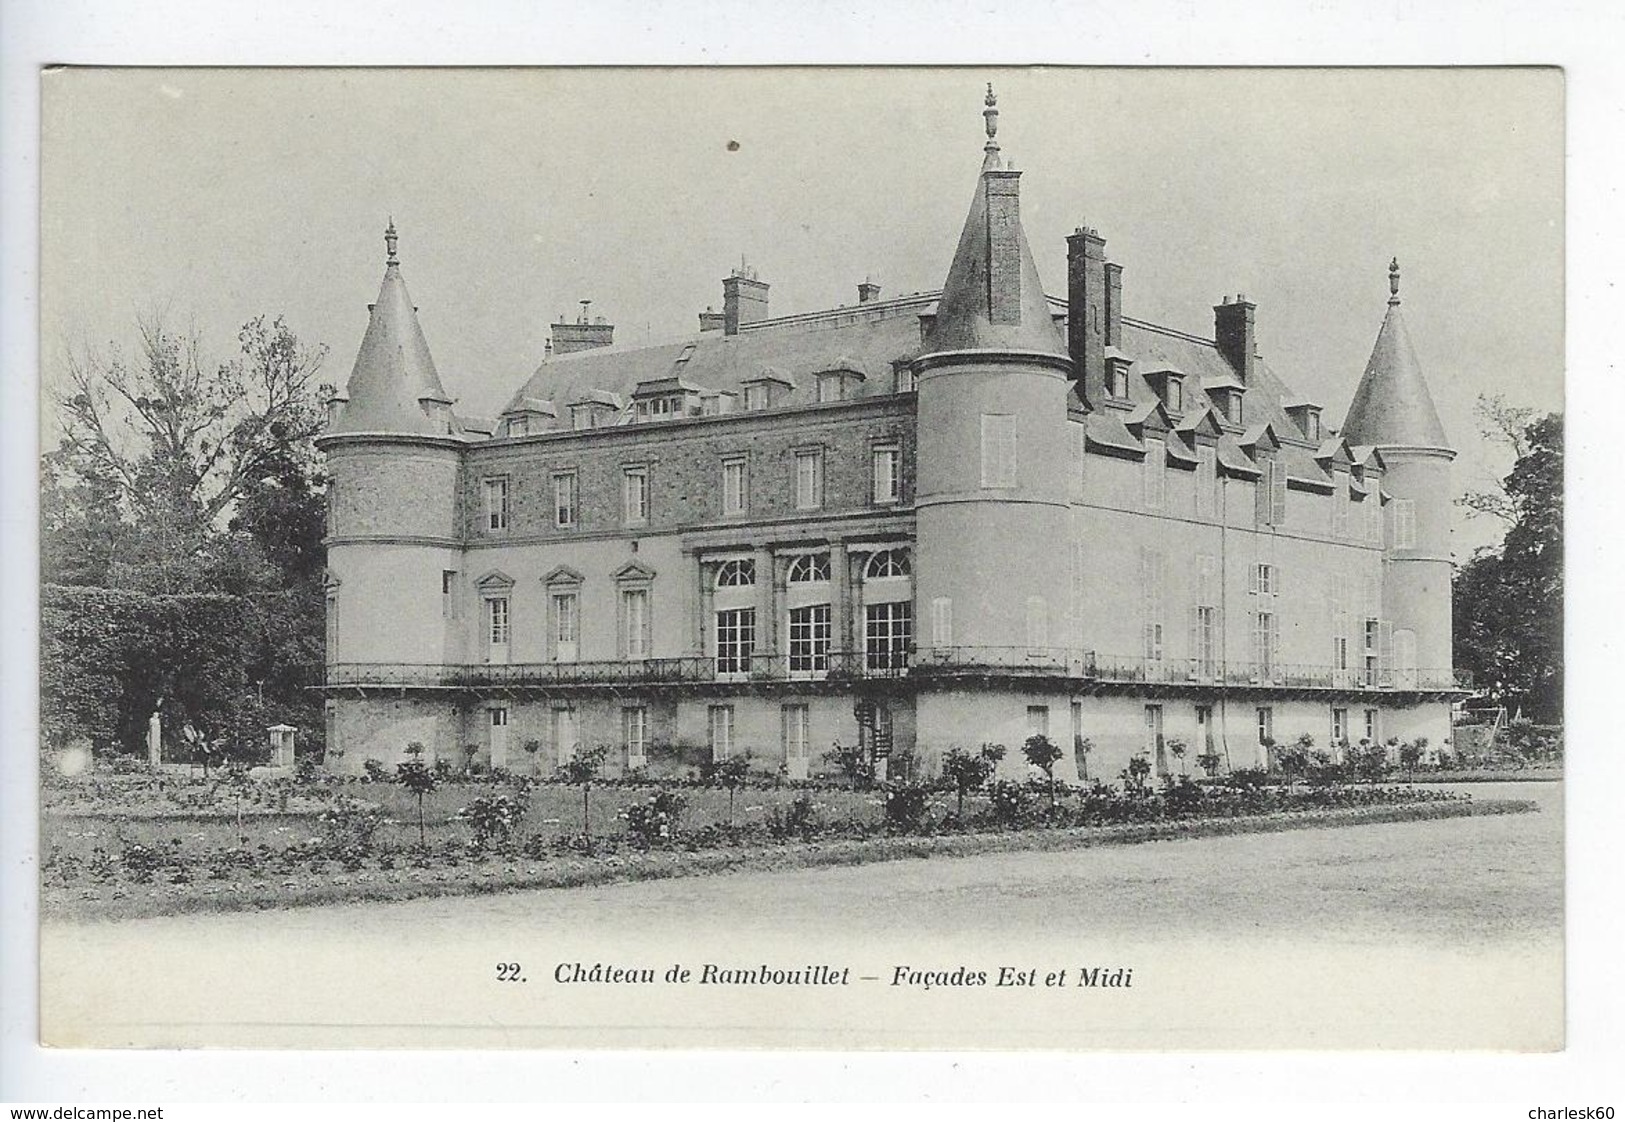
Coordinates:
[394,460]
[1393,412]
[991,507]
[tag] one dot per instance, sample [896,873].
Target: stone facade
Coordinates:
[928,522]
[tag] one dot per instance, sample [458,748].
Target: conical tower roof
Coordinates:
[394,386]
[1392,406]
[993,299]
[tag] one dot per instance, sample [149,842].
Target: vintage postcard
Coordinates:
[832,558]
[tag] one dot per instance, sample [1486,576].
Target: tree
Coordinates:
[1509,600]
[580,771]
[417,779]
[1177,749]
[1042,754]
[731,774]
[967,771]
[1410,755]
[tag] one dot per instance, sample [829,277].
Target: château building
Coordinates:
[937,520]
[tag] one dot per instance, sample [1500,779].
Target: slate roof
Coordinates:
[1392,405]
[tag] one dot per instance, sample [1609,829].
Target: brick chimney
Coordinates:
[744,299]
[711,320]
[1233,332]
[584,334]
[1088,307]
[868,292]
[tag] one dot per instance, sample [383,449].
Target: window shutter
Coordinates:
[1252,639]
[1194,628]
[1252,579]
[1385,649]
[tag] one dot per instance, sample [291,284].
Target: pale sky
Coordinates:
[218,195]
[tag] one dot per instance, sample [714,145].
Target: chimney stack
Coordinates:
[1087,309]
[582,335]
[744,299]
[868,292]
[711,320]
[1233,333]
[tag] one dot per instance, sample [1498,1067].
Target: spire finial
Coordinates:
[1393,282]
[389,243]
[990,116]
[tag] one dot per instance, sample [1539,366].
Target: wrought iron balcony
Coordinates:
[837,666]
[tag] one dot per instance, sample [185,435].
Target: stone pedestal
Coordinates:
[281,745]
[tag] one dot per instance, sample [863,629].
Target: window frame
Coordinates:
[640,473]
[498,513]
[809,469]
[735,475]
[566,514]
[889,452]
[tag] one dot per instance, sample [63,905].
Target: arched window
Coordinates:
[809,568]
[887,563]
[736,574]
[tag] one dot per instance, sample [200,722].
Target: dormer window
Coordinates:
[1306,415]
[756,396]
[839,381]
[583,417]
[1117,380]
[904,380]
[831,387]
[519,426]
[1228,402]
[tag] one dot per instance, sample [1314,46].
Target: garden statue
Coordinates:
[155,735]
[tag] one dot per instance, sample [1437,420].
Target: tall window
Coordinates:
[809,639]
[332,627]
[635,734]
[1371,728]
[810,479]
[1404,523]
[566,734]
[1153,738]
[998,450]
[942,622]
[1206,480]
[1264,579]
[635,495]
[564,499]
[496,503]
[721,731]
[795,718]
[736,639]
[1153,576]
[1372,654]
[565,624]
[1264,641]
[887,632]
[1266,723]
[733,485]
[496,615]
[1405,659]
[888,462]
[1205,620]
[635,623]
[1154,473]
[1340,726]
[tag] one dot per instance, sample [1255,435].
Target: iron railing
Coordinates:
[1052,662]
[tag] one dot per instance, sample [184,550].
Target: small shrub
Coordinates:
[1009,803]
[1183,796]
[654,820]
[350,824]
[1134,777]
[907,806]
[493,818]
[374,770]
[1209,762]
[798,820]
[1247,779]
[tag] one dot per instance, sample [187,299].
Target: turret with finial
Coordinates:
[390,238]
[1393,282]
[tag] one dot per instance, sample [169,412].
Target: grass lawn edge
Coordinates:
[582,872]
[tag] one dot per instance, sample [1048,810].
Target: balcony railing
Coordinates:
[1050,662]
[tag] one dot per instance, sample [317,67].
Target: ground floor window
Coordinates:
[888,630]
[796,721]
[1204,729]
[499,736]
[1371,729]
[1266,724]
[809,639]
[736,639]
[635,735]
[722,731]
[1340,727]
[1154,742]
[566,737]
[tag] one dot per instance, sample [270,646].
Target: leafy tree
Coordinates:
[967,771]
[1135,774]
[580,771]
[731,774]
[1509,600]
[1042,754]
[1409,756]
[1177,749]
[417,779]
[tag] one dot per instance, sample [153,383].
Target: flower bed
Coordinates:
[665,832]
